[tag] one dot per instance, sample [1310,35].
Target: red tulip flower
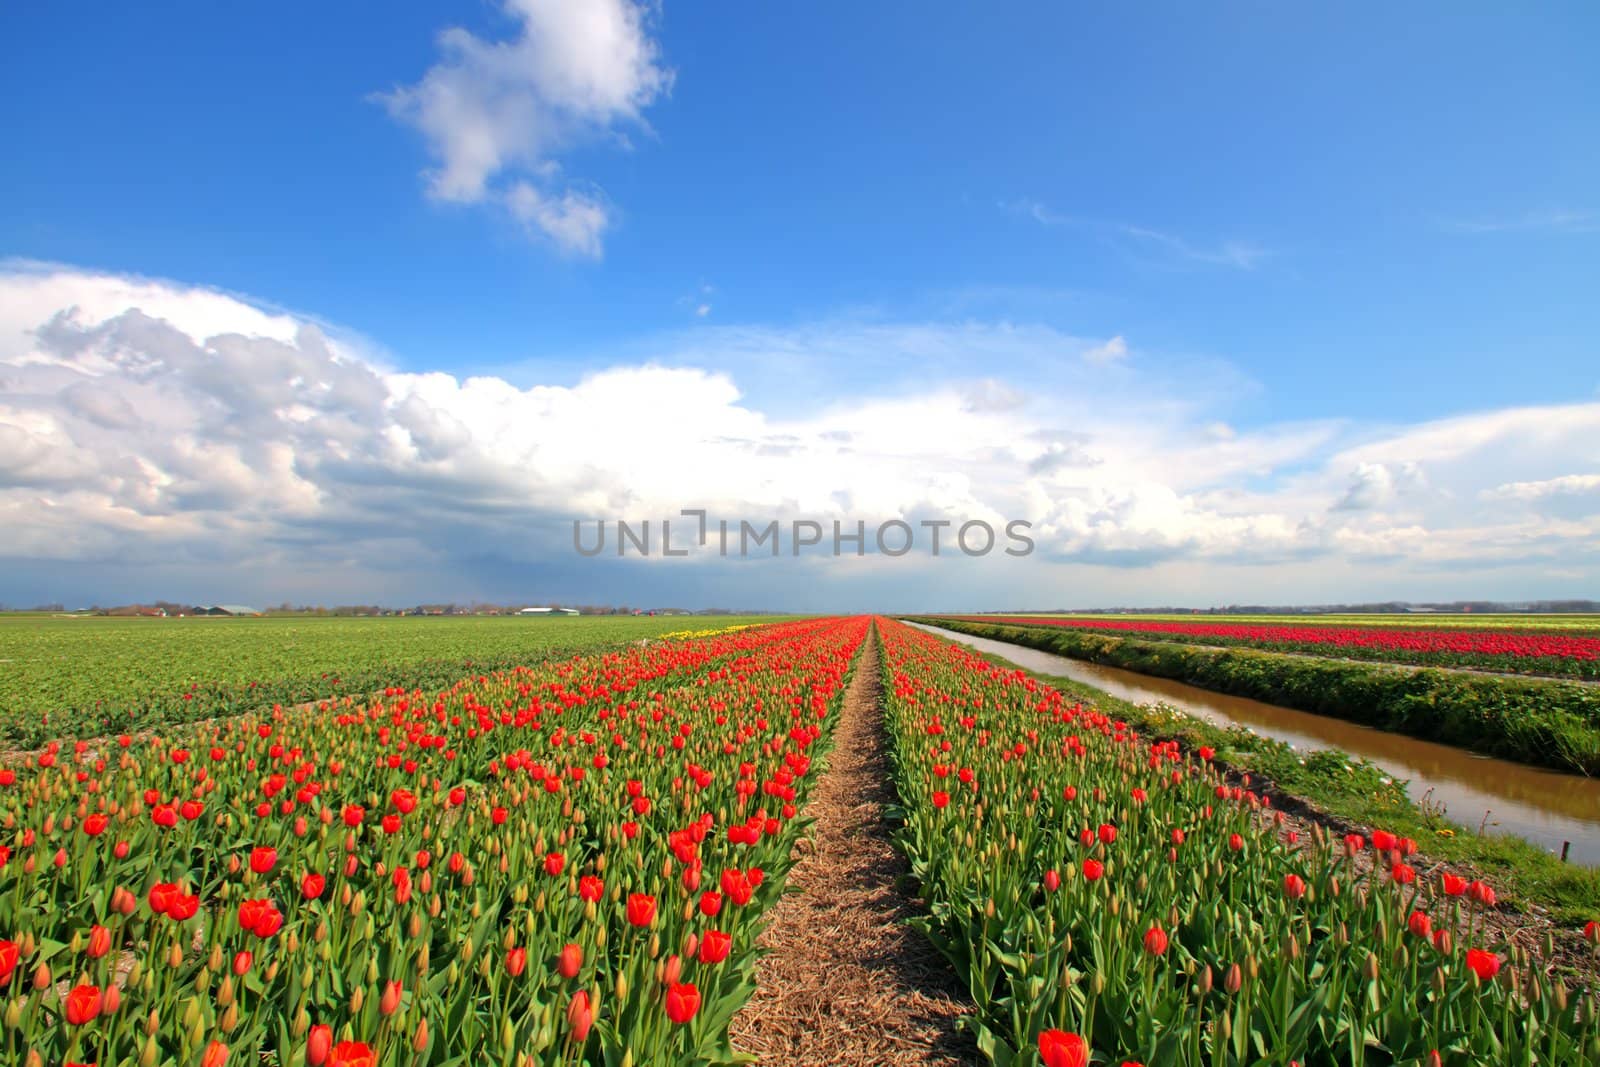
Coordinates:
[83,1004]
[715,946]
[683,1000]
[1484,964]
[352,1054]
[1057,1048]
[318,1044]
[641,909]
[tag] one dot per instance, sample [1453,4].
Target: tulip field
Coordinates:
[1571,651]
[560,864]
[1101,889]
[568,862]
[84,676]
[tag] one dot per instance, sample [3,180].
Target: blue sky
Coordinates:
[1313,233]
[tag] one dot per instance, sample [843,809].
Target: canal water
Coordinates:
[1541,806]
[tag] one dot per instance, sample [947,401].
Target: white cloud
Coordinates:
[1111,352]
[153,424]
[496,115]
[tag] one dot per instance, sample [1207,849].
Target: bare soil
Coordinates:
[846,982]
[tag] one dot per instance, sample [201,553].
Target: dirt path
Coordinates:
[847,983]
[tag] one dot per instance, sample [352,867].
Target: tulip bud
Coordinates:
[1233,981]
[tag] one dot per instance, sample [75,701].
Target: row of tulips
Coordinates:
[1490,648]
[562,864]
[1101,890]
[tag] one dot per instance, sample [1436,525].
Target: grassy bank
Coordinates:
[1543,723]
[1357,793]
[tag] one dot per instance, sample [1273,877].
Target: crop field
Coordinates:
[560,864]
[87,676]
[570,861]
[1565,650]
[1101,889]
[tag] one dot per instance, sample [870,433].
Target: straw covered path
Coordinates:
[846,983]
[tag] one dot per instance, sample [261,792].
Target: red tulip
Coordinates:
[216,1055]
[99,942]
[95,824]
[1484,964]
[571,961]
[1155,941]
[311,886]
[389,1002]
[641,909]
[352,1054]
[580,1016]
[715,947]
[683,1000]
[1057,1048]
[83,1004]
[318,1042]
[1294,887]
[516,960]
[263,859]
[1093,870]
[9,951]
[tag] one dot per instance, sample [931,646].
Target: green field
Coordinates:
[81,676]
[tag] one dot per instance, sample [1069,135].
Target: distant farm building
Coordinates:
[233,610]
[545,613]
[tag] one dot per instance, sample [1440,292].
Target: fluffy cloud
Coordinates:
[497,114]
[181,430]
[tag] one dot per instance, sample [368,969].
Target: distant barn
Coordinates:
[234,610]
[545,613]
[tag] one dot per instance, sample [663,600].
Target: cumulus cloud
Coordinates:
[152,425]
[497,114]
